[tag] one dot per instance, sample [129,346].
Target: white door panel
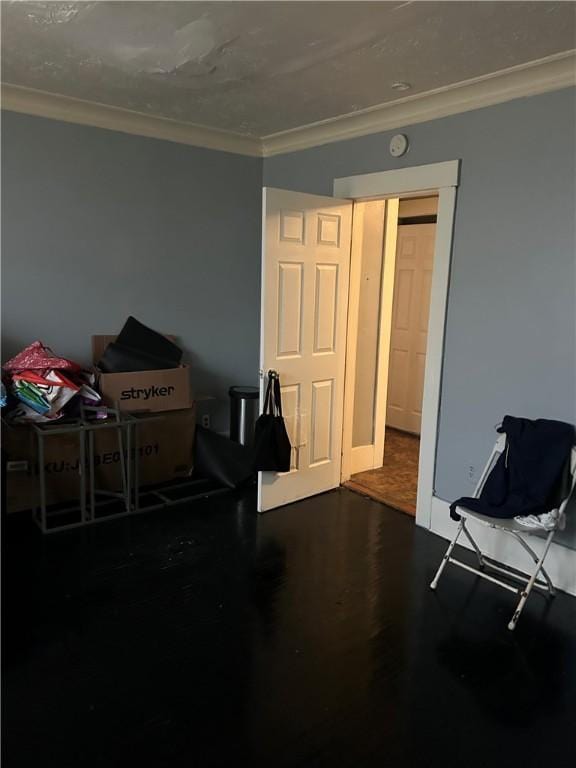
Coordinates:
[305,272]
[413,279]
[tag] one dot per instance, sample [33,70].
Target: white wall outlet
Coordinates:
[206,420]
[472,473]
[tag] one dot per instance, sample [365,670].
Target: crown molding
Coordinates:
[535,77]
[56,107]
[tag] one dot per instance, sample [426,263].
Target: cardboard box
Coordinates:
[165,448]
[160,390]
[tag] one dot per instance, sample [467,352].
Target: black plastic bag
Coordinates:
[272,447]
[218,458]
[139,348]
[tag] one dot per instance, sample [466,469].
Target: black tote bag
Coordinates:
[272,447]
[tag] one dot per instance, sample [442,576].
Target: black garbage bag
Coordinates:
[218,458]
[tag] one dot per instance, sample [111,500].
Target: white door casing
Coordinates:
[418,181]
[412,283]
[305,275]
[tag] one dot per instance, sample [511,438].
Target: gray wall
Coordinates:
[97,225]
[511,323]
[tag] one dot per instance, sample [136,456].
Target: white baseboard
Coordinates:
[560,563]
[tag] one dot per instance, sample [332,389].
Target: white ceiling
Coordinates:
[258,68]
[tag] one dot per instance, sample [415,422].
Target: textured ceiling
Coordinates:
[261,67]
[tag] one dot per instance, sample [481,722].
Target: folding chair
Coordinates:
[488,566]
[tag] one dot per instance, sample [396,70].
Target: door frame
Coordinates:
[358,458]
[435,178]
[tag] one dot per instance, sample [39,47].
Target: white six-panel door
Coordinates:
[305,274]
[410,311]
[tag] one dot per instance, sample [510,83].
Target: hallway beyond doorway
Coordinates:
[396,482]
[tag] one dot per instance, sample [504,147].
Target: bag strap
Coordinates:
[273,397]
[268,399]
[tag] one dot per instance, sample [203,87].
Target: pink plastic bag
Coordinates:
[37,357]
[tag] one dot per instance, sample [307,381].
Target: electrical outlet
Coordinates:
[206,420]
[472,473]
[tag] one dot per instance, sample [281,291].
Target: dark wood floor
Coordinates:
[208,636]
[395,483]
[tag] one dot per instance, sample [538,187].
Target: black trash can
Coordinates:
[244,402]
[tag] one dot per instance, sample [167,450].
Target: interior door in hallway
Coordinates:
[411,306]
[305,275]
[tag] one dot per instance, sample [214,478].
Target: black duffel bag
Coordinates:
[272,447]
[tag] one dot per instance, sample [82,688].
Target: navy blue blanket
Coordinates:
[528,478]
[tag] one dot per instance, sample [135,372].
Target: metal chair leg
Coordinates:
[436,579]
[526,592]
[475,546]
[534,556]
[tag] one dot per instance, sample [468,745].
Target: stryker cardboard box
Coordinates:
[165,451]
[161,390]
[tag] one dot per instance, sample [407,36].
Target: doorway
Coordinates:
[308,295]
[390,474]
[440,179]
